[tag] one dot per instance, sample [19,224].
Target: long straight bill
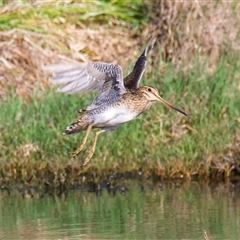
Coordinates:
[170,105]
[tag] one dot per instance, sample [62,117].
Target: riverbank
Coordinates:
[160,142]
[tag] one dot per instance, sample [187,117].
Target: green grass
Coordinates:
[32,17]
[159,137]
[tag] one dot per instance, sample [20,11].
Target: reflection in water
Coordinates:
[153,212]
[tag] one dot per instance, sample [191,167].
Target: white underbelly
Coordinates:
[113,117]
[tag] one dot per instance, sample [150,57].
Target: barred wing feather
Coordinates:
[76,78]
[82,77]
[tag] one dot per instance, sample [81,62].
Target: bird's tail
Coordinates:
[77,126]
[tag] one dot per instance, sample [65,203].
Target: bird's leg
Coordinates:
[76,152]
[92,149]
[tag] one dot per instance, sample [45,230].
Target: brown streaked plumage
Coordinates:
[118,101]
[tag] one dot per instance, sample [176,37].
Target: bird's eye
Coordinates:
[149,89]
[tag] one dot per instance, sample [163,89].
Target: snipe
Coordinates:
[118,101]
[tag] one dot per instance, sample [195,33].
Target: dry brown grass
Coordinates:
[23,53]
[187,29]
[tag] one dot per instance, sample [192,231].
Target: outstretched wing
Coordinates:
[77,78]
[81,77]
[105,77]
[133,79]
[113,87]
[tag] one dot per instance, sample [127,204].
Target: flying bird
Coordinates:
[119,100]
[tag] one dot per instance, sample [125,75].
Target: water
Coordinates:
[155,212]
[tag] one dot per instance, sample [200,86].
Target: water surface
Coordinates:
[157,211]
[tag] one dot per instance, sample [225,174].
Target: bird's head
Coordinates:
[151,94]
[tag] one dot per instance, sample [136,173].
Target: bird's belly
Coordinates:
[114,117]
